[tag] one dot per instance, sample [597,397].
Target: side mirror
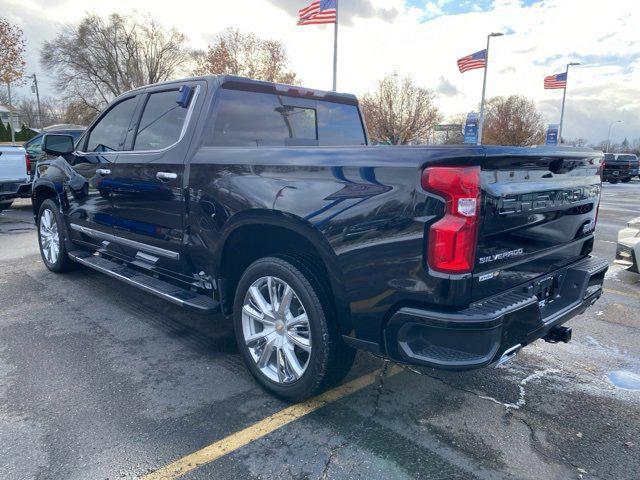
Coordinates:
[54,144]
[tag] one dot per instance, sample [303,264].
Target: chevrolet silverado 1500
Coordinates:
[264,203]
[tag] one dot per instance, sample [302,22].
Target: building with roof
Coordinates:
[4,117]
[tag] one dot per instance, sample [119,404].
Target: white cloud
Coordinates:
[382,36]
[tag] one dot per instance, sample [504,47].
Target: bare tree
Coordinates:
[100,59]
[576,142]
[512,120]
[399,112]
[12,52]
[4,96]
[53,111]
[11,59]
[246,55]
[76,113]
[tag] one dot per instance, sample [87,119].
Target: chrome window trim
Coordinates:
[125,241]
[185,126]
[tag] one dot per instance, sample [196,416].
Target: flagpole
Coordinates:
[564,96]
[484,88]
[335,50]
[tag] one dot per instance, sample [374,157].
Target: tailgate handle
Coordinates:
[103,171]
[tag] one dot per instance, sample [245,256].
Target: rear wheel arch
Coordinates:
[260,235]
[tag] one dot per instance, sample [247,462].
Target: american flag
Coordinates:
[559,80]
[475,60]
[321,11]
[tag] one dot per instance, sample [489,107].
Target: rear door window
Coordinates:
[162,121]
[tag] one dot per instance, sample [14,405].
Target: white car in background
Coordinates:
[628,251]
[14,177]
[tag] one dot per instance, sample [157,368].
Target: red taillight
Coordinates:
[27,161]
[452,239]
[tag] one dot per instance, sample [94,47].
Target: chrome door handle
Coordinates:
[166,176]
[103,171]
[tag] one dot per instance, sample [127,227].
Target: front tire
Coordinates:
[51,238]
[286,328]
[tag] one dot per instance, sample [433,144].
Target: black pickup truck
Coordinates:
[617,167]
[264,203]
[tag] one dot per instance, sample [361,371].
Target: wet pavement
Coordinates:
[98,380]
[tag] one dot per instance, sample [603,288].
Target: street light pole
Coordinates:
[484,87]
[609,134]
[564,96]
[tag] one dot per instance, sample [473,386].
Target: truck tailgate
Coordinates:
[13,165]
[538,214]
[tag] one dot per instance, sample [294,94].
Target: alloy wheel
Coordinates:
[276,329]
[49,237]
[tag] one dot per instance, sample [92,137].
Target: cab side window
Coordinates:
[109,133]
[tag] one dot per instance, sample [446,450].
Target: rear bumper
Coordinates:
[607,176]
[13,189]
[481,334]
[627,253]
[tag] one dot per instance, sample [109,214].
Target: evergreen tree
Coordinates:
[624,146]
[25,134]
[3,132]
[9,128]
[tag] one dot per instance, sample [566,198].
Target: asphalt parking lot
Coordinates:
[98,380]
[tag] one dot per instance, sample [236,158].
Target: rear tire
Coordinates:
[5,205]
[296,351]
[51,238]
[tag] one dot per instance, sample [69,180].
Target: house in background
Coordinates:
[4,117]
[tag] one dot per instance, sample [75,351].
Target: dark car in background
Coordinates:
[633,163]
[34,146]
[617,168]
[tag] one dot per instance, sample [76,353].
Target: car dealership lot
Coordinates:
[98,380]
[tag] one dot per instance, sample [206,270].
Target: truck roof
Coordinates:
[245,83]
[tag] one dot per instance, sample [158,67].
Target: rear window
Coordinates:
[628,158]
[252,119]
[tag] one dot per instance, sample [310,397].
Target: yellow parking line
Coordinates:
[258,430]
[624,294]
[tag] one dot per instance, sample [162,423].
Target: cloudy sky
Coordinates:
[420,38]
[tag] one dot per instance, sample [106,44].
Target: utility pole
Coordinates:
[37,92]
[564,96]
[484,87]
[11,126]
